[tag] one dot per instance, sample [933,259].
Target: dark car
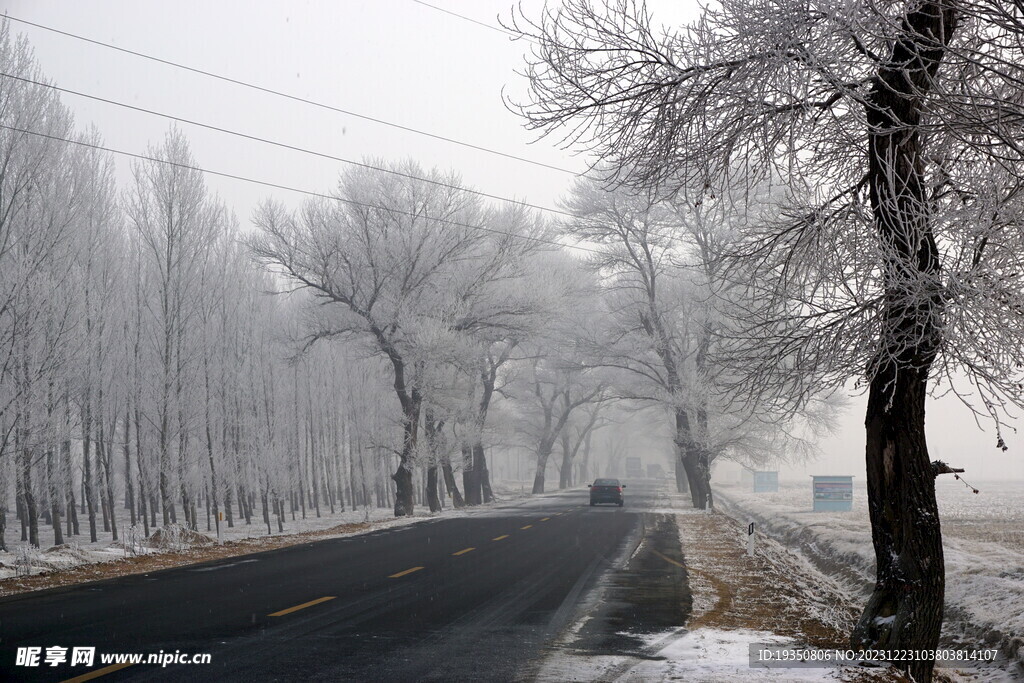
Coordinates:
[606,491]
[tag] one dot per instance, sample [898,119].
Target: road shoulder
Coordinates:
[631,629]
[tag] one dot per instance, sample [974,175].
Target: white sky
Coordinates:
[391,59]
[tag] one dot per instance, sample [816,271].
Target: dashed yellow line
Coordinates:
[545,519]
[302,606]
[463,551]
[528,526]
[500,538]
[98,672]
[407,571]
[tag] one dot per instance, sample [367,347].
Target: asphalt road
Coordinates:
[467,597]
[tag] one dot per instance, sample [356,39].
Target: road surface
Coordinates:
[467,597]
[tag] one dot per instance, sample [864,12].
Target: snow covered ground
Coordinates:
[775,598]
[983,542]
[782,596]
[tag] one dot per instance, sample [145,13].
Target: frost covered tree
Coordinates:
[423,274]
[175,221]
[43,189]
[892,131]
[659,264]
[651,336]
[378,253]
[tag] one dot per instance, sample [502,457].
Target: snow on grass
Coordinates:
[983,542]
[22,560]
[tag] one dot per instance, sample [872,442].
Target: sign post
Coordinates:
[220,518]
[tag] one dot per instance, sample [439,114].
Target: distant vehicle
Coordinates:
[634,467]
[606,491]
[655,471]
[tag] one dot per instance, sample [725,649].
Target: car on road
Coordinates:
[606,491]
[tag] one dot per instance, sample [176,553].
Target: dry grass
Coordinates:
[766,592]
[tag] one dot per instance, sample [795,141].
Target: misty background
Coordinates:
[399,61]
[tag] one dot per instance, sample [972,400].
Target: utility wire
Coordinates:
[282,145]
[289,188]
[474,21]
[295,98]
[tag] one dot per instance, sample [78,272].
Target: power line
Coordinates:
[295,98]
[267,183]
[474,21]
[282,145]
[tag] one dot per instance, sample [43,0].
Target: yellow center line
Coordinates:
[500,538]
[407,571]
[545,519]
[464,551]
[302,606]
[526,527]
[98,672]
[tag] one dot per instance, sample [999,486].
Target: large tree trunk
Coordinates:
[695,464]
[565,470]
[694,461]
[471,487]
[481,479]
[485,478]
[543,453]
[430,431]
[432,499]
[403,475]
[451,486]
[905,609]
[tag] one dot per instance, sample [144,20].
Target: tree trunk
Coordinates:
[72,509]
[105,452]
[565,470]
[696,468]
[430,428]
[55,493]
[31,508]
[432,498]
[87,481]
[905,608]
[481,479]
[543,453]
[682,483]
[485,478]
[470,477]
[451,486]
[129,479]
[403,474]
[695,462]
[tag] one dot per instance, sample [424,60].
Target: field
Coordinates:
[983,545]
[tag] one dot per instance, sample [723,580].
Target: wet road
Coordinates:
[459,598]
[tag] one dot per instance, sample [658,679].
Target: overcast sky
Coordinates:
[395,60]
